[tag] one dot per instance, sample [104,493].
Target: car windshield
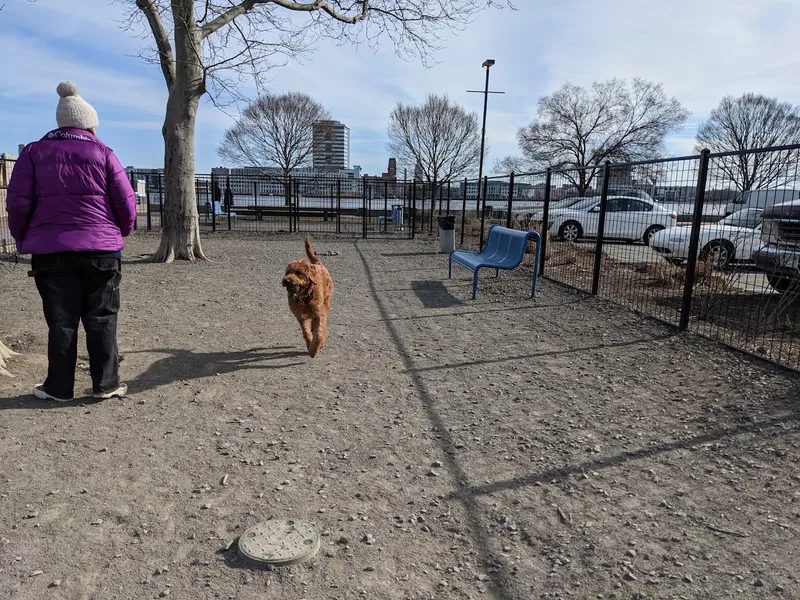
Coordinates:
[750,218]
[566,202]
[584,204]
[630,193]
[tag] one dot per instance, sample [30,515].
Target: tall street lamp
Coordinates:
[487,65]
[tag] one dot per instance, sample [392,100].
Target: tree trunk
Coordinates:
[5,353]
[180,227]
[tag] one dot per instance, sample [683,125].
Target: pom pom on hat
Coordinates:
[67,88]
[74,111]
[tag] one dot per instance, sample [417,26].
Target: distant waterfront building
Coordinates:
[331,146]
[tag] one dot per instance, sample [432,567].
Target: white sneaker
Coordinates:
[121,391]
[39,392]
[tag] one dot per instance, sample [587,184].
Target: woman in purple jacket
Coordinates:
[69,205]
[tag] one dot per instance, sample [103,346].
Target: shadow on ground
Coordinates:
[434,294]
[184,365]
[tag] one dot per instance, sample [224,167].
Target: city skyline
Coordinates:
[699,53]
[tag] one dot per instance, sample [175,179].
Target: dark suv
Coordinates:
[780,256]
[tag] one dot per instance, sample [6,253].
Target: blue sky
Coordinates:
[700,51]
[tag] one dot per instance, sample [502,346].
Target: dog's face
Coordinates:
[298,277]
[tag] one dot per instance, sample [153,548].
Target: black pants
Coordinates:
[78,286]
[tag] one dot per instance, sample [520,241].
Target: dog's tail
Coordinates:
[312,256]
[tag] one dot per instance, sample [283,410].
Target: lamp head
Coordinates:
[488,63]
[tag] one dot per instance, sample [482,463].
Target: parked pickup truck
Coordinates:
[779,257]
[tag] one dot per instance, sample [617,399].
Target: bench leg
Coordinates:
[475,284]
[496,273]
[450,269]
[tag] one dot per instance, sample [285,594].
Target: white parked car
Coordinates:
[732,239]
[627,218]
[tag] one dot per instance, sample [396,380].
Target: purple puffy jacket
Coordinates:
[69,193]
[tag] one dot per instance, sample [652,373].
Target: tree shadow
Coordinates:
[500,583]
[434,294]
[182,365]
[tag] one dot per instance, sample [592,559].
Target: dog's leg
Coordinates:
[322,331]
[315,343]
[305,325]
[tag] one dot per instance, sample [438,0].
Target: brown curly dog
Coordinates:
[310,289]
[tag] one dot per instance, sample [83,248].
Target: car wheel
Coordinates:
[780,284]
[719,254]
[651,231]
[570,231]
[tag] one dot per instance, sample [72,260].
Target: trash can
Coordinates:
[447,234]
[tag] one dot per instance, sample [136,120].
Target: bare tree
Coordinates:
[579,128]
[440,139]
[274,131]
[211,46]
[745,123]
[512,164]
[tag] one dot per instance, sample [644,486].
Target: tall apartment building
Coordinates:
[331,150]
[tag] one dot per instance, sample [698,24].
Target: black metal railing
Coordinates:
[649,235]
[362,206]
[675,239]
[7,245]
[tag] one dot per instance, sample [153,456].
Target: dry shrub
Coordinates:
[472,226]
[568,254]
[664,274]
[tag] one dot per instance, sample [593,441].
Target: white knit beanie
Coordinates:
[74,111]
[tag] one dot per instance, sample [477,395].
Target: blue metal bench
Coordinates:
[505,249]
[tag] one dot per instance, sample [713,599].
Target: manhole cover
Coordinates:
[279,542]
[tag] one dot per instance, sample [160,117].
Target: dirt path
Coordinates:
[502,448]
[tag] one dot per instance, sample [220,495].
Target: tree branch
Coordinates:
[247,5]
[165,55]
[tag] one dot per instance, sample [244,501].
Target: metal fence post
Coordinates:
[483,212]
[385,205]
[364,207]
[448,197]
[133,186]
[601,225]
[287,199]
[338,205]
[510,199]
[463,209]
[213,205]
[545,219]
[160,201]
[413,210]
[422,215]
[147,199]
[228,190]
[296,203]
[694,239]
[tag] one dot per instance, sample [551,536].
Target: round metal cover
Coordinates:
[279,542]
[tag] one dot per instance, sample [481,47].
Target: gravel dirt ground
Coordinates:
[503,448]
